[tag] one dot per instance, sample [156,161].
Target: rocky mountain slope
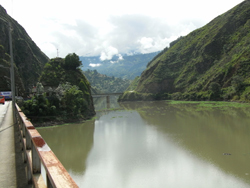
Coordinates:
[211,63]
[28,58]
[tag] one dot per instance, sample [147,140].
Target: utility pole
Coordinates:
[12,75]
[57,52]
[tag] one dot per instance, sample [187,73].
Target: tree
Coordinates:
[72,61]
[237,83]
[215,89]
[39,88]
[73,101]
[38,106]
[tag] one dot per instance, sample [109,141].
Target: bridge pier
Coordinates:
[108,101]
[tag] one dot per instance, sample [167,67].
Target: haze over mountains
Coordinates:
[126,66]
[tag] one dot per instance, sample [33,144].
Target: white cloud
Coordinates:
[108,53]
[95,65]
[120,57]
[97,28]
[146,42]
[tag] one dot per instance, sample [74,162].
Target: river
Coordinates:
[157,145]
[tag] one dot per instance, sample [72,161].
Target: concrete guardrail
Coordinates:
[43,167]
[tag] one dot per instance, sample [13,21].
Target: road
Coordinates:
[12,168]
[3,111]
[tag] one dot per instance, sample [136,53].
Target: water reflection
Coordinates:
[106,103]
[155,144]
[205,132]
[133,153]
[71,144]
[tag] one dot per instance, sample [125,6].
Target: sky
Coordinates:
[111,27]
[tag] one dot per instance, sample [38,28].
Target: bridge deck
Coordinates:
[12,168]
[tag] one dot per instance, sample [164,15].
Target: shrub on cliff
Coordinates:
[38,106]
[66,100]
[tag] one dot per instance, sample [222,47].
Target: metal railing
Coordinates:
[43,167]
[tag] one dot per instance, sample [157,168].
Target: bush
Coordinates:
[177,96]
[73,101]
[237,83]
[215,89]
[72,61]
[38,106]
[66,99]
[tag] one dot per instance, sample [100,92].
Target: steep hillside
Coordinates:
[127,67]
[28,58]
[106,84]
[211,63]
[5,82]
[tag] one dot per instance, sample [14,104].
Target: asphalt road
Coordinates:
[3,111]
[12,167]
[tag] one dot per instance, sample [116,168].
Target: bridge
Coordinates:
[25,158]
[107,95]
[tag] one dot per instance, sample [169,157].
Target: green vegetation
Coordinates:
[104,84]
[5,83]
[63,94]
[217,104]
[211,63]
[72,62]
[66,102]
[39,105]
[28,58]
[133,84]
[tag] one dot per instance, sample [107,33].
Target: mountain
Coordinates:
[126,66]
[67,89]
[28,58]
[101,83]
[210,63]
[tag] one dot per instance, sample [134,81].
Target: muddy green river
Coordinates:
[159,144]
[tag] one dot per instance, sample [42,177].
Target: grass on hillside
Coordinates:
[211,103]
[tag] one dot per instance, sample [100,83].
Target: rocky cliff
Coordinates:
[28,58]
[211,63]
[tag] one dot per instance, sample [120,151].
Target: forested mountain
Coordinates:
[127,67]
[28,58]
[101,83]
[210,63]
[64,81]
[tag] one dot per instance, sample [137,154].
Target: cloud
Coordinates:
[126,34]
[146,42]
[95,65]
[75,27]
[145,34]
[120,57]
[108,53]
